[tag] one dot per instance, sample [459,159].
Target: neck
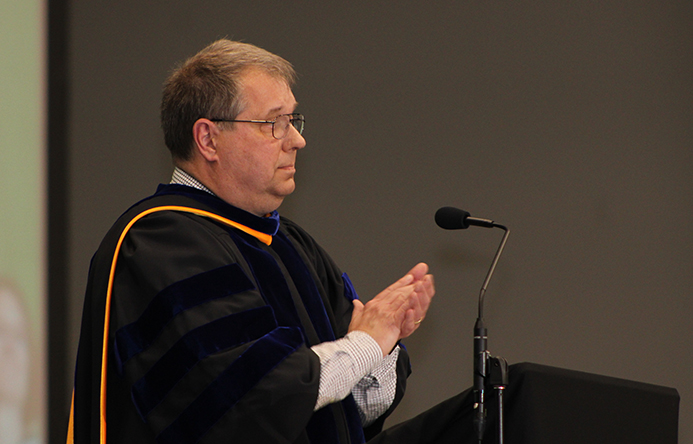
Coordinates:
[237,198]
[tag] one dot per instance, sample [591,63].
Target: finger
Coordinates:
[417,298]
[410,318]
[425,298]
[429,281]
[409,325]
[394,296]
[427,287]
[421,300]
[401,282]
[415,274]
[402,311]
[401,297]
[419,271]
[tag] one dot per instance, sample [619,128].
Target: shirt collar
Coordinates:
[181,177]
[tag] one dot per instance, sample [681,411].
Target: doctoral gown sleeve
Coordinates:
[196,354]
[339,293]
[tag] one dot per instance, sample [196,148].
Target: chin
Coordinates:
[287,189]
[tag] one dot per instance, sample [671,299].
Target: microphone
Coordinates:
[451,218]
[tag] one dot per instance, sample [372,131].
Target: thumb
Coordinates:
[356,315]
[358,309]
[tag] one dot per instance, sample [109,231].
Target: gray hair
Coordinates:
[209,85]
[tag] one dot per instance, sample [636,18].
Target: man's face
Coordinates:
[255,171]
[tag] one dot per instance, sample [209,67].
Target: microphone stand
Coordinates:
[489,371]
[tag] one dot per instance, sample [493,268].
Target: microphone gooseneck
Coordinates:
[451,218]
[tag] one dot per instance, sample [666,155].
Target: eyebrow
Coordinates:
[278,108]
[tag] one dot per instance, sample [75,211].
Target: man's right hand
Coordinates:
[384,316]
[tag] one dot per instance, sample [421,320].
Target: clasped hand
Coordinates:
[396,312]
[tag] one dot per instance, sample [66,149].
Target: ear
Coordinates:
[204,135]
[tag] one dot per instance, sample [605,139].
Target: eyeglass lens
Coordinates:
[281,125]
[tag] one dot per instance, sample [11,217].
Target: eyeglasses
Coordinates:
[280,125]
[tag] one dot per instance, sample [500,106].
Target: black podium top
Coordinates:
[548,405]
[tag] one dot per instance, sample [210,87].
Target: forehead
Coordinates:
[265,93]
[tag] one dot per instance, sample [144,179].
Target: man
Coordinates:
[208,318]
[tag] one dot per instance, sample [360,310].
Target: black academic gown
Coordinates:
[210,317]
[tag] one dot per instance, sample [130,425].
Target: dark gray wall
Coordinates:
[570,122]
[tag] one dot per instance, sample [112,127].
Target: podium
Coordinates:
[549,405]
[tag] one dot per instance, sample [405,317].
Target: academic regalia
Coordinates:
[210,320]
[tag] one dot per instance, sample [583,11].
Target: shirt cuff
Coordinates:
[376,391]
[343,363]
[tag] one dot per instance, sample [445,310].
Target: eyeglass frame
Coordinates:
[292,117]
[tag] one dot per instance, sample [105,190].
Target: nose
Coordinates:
[294,140]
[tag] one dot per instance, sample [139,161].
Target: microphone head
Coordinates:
[451,218]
